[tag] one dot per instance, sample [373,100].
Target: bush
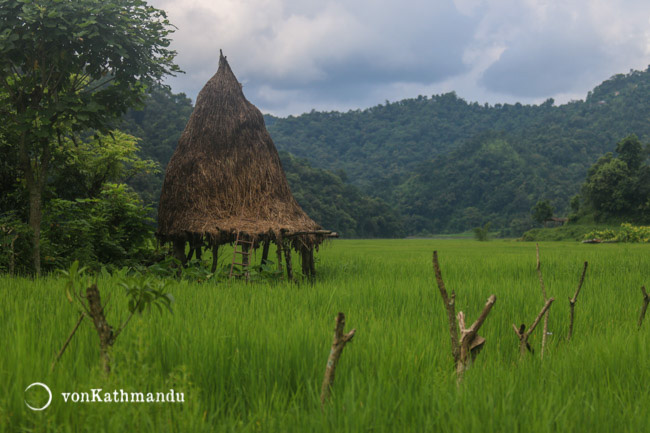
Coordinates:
[626,233]
[15,245]
[482,233]
[114,228]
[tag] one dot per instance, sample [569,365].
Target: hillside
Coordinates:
[449,165]
[430,164]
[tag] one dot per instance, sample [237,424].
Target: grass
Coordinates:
[250,357]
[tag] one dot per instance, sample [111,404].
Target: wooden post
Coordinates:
[464,349]
[541,282]
[287,257]
[179,251]
[523,334]
[265,251]
[245,256]
[278,252]
[196,244]
[304,261]
[215,257]
[312,266]
[340,340]
[644,308]
[572,301]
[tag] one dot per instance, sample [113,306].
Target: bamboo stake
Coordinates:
[65,345]
[572,301]
[644,308]
[339,342]
[523,334]
[541,283]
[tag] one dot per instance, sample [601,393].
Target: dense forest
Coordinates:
[449,165]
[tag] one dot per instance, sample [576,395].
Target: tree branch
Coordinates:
[572,302]
[65,345]
[547,305]
[479,322]
[524,334]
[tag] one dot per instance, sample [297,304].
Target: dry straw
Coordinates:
[225,176]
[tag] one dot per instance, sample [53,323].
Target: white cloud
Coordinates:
[295,55]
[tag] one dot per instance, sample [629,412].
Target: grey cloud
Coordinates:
[414,42]
[543,67]
[301,54]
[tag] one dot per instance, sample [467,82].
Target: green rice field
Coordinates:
[251,357]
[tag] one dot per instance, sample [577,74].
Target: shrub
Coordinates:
[15,245]
[482,233]
[114,228]
[626,233]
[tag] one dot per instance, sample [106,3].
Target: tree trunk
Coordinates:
[35,218]
[12,257]
[35,175]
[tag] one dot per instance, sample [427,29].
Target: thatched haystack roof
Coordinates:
[225,175]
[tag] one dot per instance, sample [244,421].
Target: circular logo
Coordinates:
[46,389]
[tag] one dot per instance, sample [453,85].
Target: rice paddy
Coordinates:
[251,357]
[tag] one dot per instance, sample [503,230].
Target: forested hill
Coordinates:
[429,164]
[449,165]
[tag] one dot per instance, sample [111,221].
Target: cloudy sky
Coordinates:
[293,56]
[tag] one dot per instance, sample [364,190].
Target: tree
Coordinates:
[83,168]
[606,187]
[630,150]
[69,66]
[542,211]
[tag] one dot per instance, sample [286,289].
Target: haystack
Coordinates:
[225,183]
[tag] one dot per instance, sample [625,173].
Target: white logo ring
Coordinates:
[46,389]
